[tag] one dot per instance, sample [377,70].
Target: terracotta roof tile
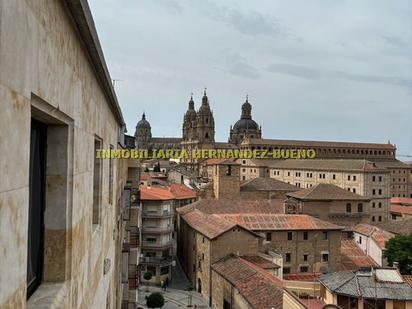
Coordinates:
[296,143]
[325,191]
[353,257]
[406,210]
[308,277]
[155,194]
[260,289]
[272,222]
[379,235]
[266,184]
[408,279]
[260,261]
[401,200]
[182,192]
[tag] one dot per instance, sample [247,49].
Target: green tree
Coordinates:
[399,249]
[156,168]
[147,275]
[155,300]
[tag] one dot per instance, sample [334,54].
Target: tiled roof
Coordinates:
[393,164]
[307,277]
[363,284]
[408,279]
[280,142]
[182,192]
[401,227]
[260,261]
[401,200]
[279,222]
[260,289]
[266,184]
[379,235]
[313,303]
[326,165]
[155,194]
[406,210]
[227,206]
[353,257]
[325,191]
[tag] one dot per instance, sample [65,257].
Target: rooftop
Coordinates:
[266,184]
[182,192]
[260,262]
[260,289]
[379,235]
[401,201]
[403,210]
[150,193]
[401,227]
[325,191]
[280,142]
[377,283]
[353,257]
[327,165]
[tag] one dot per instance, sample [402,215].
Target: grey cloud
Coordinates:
[310,73]
[238,65]
[250,23]
[394,41]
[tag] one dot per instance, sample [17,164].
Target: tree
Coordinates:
[147,275]
[156,168]
[399,249]
[155,300]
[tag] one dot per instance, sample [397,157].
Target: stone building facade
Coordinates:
[60,206]
[358,176]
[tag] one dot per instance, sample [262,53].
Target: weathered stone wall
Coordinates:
[45,74]
[226,182]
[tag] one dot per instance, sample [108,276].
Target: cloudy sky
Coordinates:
[316,70]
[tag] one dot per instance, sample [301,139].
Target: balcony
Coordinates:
[156,245]
[133,277]
[166,260]
[156,214]
[157,230]
[134,238]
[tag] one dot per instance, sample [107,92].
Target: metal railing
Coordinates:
[155,260]
[154,245]
[157,229]
[134,236]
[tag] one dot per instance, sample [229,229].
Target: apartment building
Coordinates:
[400,181]
[358,176]
[60,205]
[157,245]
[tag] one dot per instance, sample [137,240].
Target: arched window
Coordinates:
[360,207]
[348,207]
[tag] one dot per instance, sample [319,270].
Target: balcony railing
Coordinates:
[134,236]
[156,245]
[157,229]
[133,276]
[156,214]
[155,260]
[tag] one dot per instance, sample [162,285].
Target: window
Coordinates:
[380,191]
[286,270]
[305,235]
[380,219]
[325,257]
[164,270]
[203,240]
[360,207]
[229,170]
[333,176]
[290,236]
[243,177]
[354,190]
[288,257]
[348,177]
[373,178]
[373,205]
[97,181]
[354,178]
[380,178]
[268,236]
[304,269]
[348,207]
[373,192]
[325,235]
[373,218]
[380,204]
[305,257]
[360,240]
[37,180]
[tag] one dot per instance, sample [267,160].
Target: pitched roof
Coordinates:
[327,165]
[353,257]
[307,277]
[401,227]
[182,192]
[279,222]
[379,235]
[155,194]
[401,200]
[408,279]
[260,261]
[260,289]
[392,164]
[280,142]
[227,206]
[325,191]
[405,210]
[366,284]
[266,184]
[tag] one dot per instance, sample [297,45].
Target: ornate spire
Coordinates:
[144,116]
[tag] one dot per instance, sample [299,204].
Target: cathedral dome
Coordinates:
[143,124]
[246,124]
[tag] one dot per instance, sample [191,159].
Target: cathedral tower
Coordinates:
[143,133]
[205,122]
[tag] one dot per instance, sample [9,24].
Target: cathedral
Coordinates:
[198,130]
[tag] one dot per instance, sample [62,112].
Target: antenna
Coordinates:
[114,80]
